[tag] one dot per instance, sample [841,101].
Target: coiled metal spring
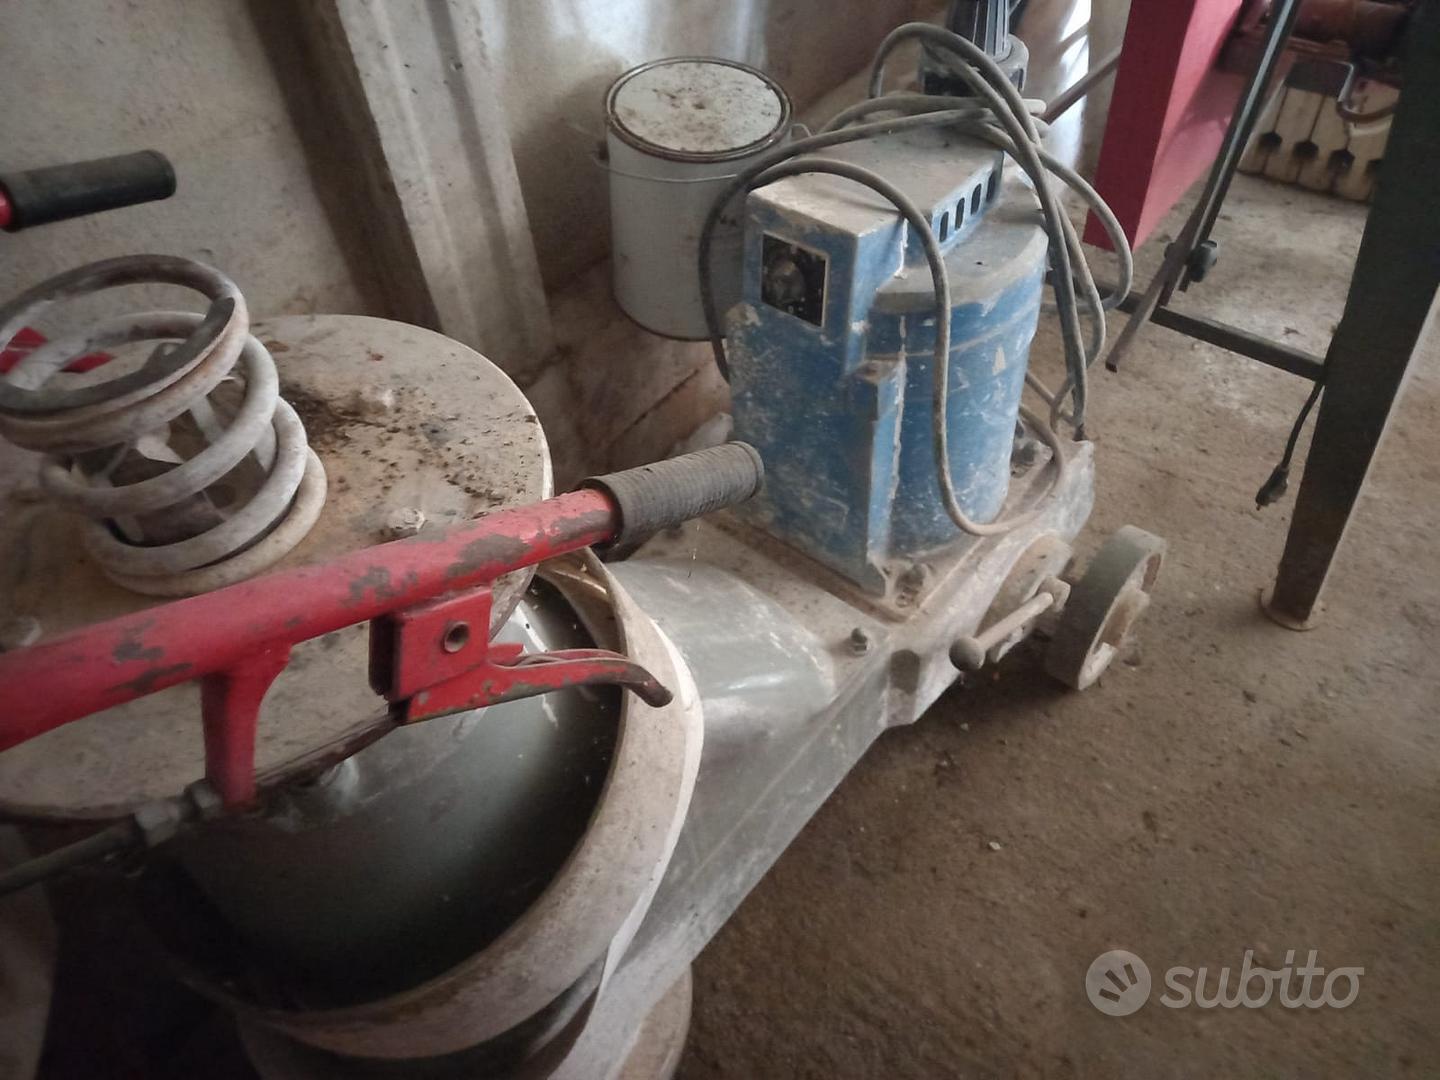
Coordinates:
[190,478]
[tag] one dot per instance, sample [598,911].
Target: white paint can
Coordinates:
[678,131]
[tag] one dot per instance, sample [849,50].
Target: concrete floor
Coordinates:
[1230,786]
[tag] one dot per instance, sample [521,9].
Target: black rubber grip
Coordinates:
[57,192]
[668,493]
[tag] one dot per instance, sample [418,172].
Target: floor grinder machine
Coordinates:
[470,801]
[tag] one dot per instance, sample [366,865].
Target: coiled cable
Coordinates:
[999,116]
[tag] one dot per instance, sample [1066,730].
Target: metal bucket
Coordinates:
[581,911]
[678,131]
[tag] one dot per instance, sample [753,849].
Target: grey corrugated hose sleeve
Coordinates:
[667,493]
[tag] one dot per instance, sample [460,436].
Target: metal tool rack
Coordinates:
[1386,314]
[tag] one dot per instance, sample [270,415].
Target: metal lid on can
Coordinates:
[697,109]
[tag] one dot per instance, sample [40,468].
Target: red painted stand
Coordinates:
[1169,113]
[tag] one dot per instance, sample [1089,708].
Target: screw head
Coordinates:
[373,399]
[404,521]
[859,641]
[1026,452]
[911,583]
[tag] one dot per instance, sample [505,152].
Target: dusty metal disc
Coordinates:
[697,109]
[402,418]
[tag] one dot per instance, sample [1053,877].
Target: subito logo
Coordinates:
[1118,982]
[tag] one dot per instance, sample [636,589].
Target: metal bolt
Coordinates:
[373,400]
[405,521]
[204,800]
[911,583]
[859,641]
[1026,453]
[157,822]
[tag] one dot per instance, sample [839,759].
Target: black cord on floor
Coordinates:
[1273,490]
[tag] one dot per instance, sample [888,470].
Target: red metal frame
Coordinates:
[236,640]
[426,660]
[1168,114]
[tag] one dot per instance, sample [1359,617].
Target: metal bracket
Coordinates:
[436,659]
[230,711]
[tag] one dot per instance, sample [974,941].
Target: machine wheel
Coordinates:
[1104,605]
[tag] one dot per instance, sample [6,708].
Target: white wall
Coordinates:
[235,93]
[206,81]
[554,60]
[191,78]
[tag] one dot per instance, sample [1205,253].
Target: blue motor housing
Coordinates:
[831,351]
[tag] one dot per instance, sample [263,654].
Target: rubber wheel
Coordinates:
[1104,605]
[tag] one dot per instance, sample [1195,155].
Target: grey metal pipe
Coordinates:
[1082,86]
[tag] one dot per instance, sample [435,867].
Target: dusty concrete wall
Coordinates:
[555,58]
[214,83]
[232,91]
[616,396]
[193,79]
